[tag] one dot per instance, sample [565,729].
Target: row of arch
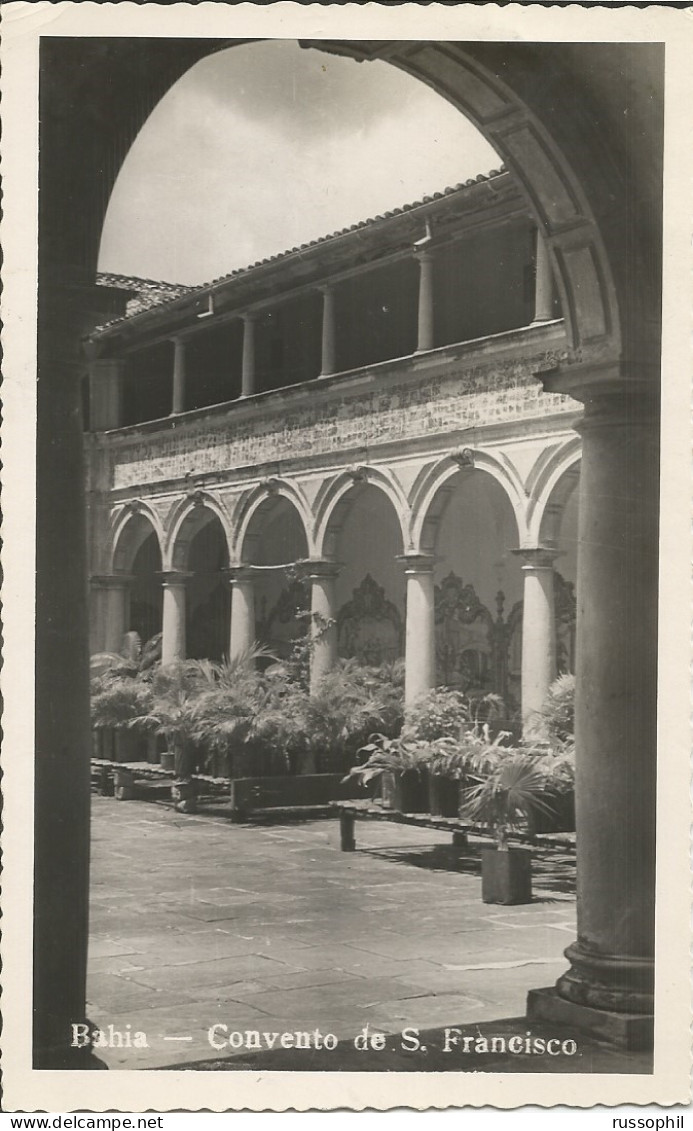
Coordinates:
[534,510]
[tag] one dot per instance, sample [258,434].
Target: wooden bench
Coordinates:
[351,811]
[104,770]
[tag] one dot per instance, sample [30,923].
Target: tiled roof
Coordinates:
[151,293]
[146,292]
[360,225]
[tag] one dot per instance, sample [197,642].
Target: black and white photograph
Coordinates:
[347,555]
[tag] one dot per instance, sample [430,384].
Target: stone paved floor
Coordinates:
[195,921]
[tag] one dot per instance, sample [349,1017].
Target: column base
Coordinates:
[633,1032]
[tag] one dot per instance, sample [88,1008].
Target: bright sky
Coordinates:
[266,146]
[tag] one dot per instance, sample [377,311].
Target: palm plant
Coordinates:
[391,755]
[175,689]
[510,787]
[446,712]
[351,703]
[228,700]
[556,718]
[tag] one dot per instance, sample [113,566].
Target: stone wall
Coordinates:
[413,398]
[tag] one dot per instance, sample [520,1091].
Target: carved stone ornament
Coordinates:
[464,637]
[357,472]
[134,505]
[270,485]
[369,626]
[463,457]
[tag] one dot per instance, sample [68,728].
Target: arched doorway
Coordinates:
[369,591]
[200,558]
[471,530]
[274,543]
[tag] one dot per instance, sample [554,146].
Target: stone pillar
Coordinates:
[538,633]
[426,331]
[178,395]
[543,282]
[62,726]
[242,635]
[173,645]
[609,987]
[248,370]
[329,332]
[420,643]
[105,394]
[110,611]
[323,625]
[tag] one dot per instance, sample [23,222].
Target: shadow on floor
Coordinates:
[552,871]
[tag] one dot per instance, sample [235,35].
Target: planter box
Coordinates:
[127,745]
[443,796]
[124,785]
[184,796]
[411,792]
[248,794]
[562,820]
[167,761]
[387,786]
[506,877]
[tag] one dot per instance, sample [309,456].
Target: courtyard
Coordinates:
[196,923]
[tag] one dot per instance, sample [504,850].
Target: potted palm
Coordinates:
[509,787]
[406,762]
[175,690]
[351,703]
[119,700]
[554,742]
[449,720]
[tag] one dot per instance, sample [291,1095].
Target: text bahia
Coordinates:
[108,1038]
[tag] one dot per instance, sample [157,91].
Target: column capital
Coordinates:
[239,573]
[538,557]
[417,563]
[424,254]
[249,315]
[173,577]
[321,567]
[111,580]
[327,288]
[613,392]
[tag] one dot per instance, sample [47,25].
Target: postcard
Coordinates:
[346,459]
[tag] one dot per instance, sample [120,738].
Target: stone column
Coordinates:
[609,987]
[173,646]
[178,395]
[248,370]
[426,332]
[110,612]
[543,282]
[242,635]
[329,332]
[105,394]
[323,625]
[62,730]
[538,633]
[420,643]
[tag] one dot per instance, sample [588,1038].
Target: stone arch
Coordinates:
[564,165]
[130,527]
[186,520]
[261,498]
[435,476]
[332,503]
[554,483]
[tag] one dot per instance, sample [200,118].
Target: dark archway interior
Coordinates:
[146,591]
[208,606]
